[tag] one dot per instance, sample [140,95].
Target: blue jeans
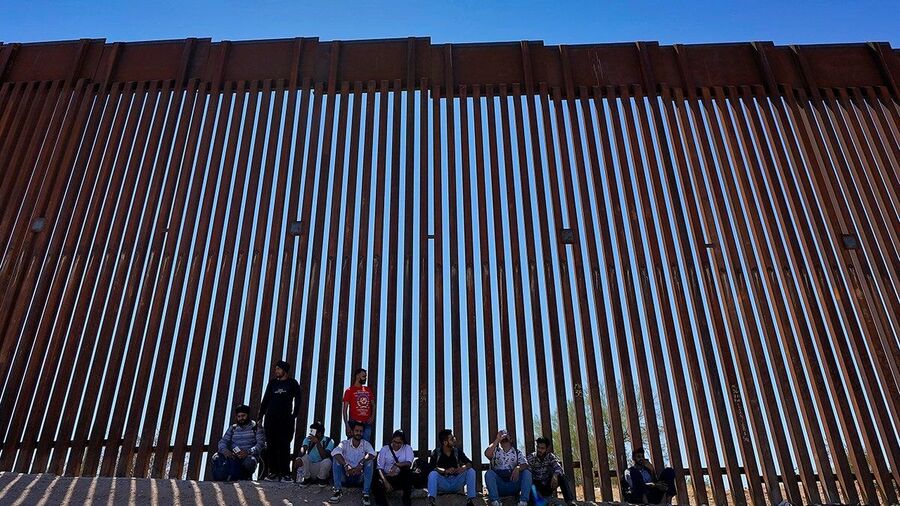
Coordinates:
[225,469]
[341,478]
[439,483]
[499,487]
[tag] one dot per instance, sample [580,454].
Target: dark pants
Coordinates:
[402,482]
[279,433]
[232,469]
[546,490]
[642,493]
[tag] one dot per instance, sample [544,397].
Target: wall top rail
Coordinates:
[645,64]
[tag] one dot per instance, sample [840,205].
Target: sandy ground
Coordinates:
[45,489]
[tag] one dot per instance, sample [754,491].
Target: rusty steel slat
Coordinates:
[372,364]
[756,190]
[323,382]
[639,207]
[109,178]
[695,284]
[408,266]
[303,251]
[667,267]
[627,272]
[452,224]
[822,121]
[506,342]
[179,228]
[562,412]
[343,320]
[219,105]
[151,305]
[837,306]
[710,146]
[568,193]
[474,428]
[735,194]
[390,392]
[517,267]
[363,237]
[440,348]
[484,255]
[425,357]
[788,201]
[220,330]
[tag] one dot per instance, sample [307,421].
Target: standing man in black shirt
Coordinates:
[280,405]
[452,469]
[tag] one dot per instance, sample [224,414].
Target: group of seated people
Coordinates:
[321,460]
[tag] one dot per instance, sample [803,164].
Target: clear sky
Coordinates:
[784,22]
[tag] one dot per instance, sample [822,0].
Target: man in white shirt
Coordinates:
[509,473]
[353,464]
[394,470]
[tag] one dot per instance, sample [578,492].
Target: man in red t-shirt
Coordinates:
[359,405]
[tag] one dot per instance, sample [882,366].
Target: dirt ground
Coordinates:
[44,489]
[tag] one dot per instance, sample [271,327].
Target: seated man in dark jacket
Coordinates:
[239,448]
[644,486]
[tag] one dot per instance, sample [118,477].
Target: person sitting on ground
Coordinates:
[509,474]
[314,463]
[239,448]
[452,469]
[394,469]
[547,473]
[353,464]
[644,486]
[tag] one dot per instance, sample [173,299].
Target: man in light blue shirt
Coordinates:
[314,462]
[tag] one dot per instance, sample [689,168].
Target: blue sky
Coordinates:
[784,22]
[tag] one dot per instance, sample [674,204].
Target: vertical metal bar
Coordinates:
[438,232]
[389,390]
[425,355]
[378,238]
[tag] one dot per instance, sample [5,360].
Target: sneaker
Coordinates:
[366,501]
[272,477]
[286,479]
[322,483]
[523,503]
[306,483]
[335,495]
